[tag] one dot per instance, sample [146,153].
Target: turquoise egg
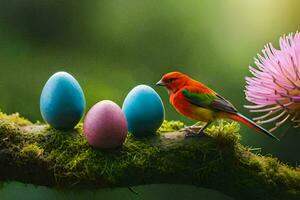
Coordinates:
[62,102]
[144,111]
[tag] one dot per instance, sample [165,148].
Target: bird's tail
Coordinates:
[241,118]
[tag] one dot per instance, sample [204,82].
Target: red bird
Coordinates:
[198,102]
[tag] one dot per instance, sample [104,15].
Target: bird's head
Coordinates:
[173,81]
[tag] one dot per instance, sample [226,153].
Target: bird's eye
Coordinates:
[171,80]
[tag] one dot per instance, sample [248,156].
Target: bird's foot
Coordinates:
[192,131]
[193,135]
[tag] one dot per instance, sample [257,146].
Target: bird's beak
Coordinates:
[160,83]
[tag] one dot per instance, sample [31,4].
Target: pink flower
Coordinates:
[274,88]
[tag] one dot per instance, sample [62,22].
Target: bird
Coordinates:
[197,101]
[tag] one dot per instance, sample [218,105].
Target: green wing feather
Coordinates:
[210,101]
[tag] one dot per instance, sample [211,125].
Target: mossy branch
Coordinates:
[38,154]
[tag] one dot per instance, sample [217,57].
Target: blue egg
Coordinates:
[144,111]
[62,102]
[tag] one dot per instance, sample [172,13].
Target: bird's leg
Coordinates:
[199,132]
[192,129]
[195,126]
[203,128]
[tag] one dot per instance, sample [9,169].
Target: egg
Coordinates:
[62,101]
[144,111]
[105,125]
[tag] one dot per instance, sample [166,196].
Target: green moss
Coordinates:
[39,154]
[169,126]
[31,151]
[15,118]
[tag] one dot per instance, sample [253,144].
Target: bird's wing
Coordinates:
[206,100]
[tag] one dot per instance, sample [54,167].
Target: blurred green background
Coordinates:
[110,46]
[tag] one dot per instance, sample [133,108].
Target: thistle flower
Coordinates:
[274,88]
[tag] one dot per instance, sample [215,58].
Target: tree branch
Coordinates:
[38,154]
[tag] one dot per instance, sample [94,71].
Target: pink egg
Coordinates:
[105,125]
